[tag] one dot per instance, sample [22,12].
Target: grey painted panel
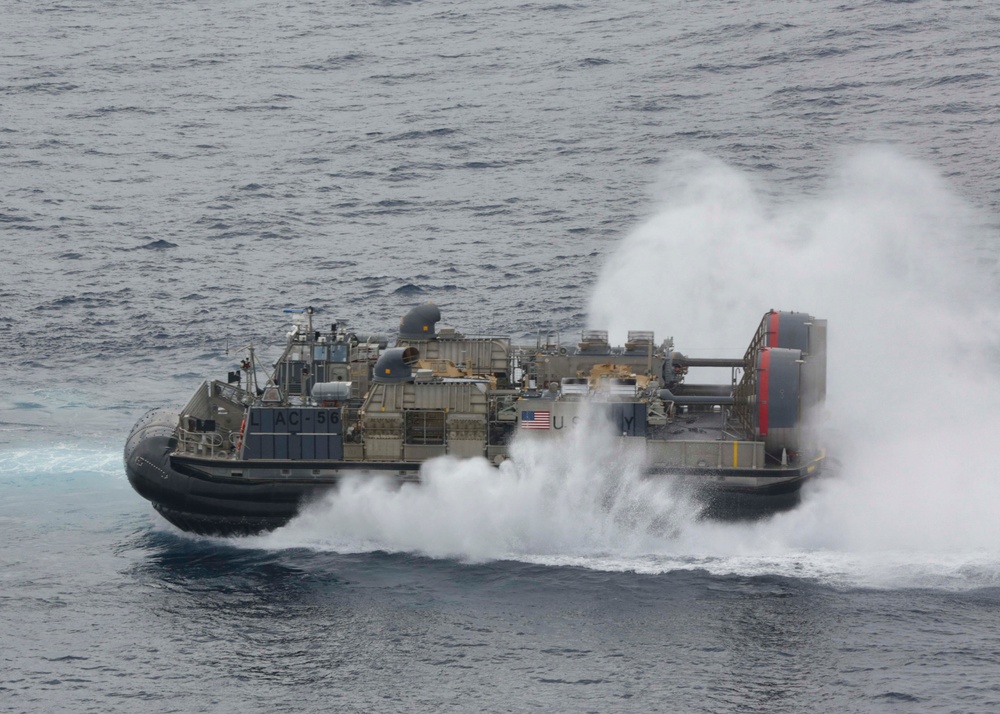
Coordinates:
[280,447]
[294,446]
[253,446]
[267,447]
[336,446]
[294,421]
[703,453]
[281,420]
[334,421]
[261,420]
[783,388]
[813,387]
[630,418]
[793,332]
[324,421]
[302,433]
[308,421]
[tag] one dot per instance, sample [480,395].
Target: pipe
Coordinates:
[710,362]
[668,396]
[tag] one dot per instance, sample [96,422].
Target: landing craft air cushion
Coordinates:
[242,458]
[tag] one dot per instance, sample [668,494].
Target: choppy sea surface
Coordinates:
[174,174]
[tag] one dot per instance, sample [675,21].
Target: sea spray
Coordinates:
[576,493]
[886,254]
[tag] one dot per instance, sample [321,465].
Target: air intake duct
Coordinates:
[418,323]
[396,365]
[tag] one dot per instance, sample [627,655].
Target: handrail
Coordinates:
[215,443]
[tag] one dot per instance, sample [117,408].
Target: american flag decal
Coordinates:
[536,420]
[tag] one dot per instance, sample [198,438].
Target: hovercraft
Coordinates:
[244,455]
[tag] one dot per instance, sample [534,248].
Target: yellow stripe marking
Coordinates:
[736,454]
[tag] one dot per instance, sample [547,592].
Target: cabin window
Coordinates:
[425,427]
[338,353]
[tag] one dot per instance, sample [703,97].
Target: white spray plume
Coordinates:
[885,254]
[575,494]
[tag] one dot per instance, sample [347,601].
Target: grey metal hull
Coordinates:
[241,497]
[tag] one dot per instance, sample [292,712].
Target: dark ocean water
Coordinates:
[173,175]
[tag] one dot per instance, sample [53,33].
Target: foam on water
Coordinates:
[60,461]
[887,255]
